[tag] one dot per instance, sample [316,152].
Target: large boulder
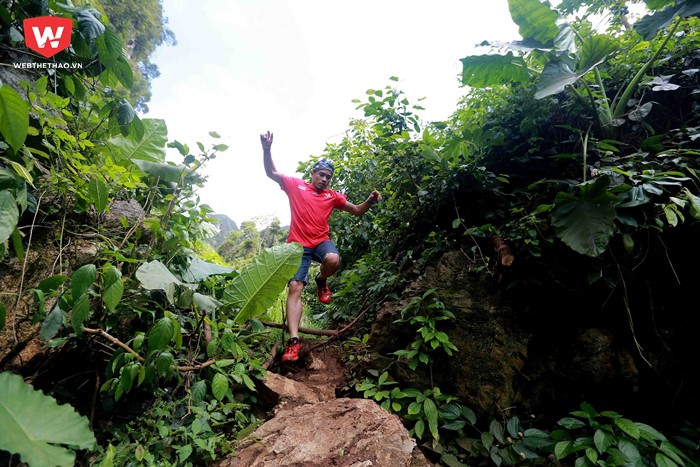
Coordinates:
[337,432]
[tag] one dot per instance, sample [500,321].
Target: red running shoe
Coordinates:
[291,353]
[324,293]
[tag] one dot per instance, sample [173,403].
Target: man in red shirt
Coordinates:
[311,206]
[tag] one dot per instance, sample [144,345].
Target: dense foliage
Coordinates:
[578,148]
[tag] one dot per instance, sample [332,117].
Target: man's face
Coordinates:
[321,179]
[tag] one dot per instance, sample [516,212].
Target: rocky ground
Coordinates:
[310,427]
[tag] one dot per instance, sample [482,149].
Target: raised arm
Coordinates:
[360,209]
[270,170]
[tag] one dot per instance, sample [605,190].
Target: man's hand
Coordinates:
[374,197]
[266,140]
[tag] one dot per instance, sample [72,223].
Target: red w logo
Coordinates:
[47,35]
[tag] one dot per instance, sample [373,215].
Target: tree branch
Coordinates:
[102,333]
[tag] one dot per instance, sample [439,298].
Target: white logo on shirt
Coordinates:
[301,187]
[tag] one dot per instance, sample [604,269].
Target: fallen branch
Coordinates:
[102,333]
[315,332]
[113,340]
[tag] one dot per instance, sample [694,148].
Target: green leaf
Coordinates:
[164,362]
[219,386]
[199,391]
[200,270]
[89,23]
[563,449]
[629,449]
[98,192]
[513,427]
[51,324]
[113,287]
[52,283]
[123,72]
[649,25]
[419,428]
[555,77]
[9,215]
[594,50]
[205,302]
[535,20]
[649,432]
[160,334]
[34,425]
[455,425]
[496,430]
[257,287]
[602,440]
[14,117]
[248,382]
[154,275]
[672,452]
[414,408]
[431,413]
[585,224]
[628,426]
[150,147]
[663,461]
[80,312]
[481,71]
[109,47]
[469,415]
[82,279]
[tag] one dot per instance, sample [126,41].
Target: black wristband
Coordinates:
[370,202]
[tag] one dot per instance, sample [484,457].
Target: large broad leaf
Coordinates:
[259,284]
[566,39]
[14,117]
[595,50]
[585,224]
[535,19]
[34,425]
[155,275]
[150,147]
[491,70]
[648,26]
[200,270]
[89,23]
[166,172]
[205,302]
[557,75]
[9,215]
[109,47]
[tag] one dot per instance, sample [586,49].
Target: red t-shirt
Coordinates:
[310,211]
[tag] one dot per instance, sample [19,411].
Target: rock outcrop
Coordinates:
[311,428]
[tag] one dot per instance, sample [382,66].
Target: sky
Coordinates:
[293,67]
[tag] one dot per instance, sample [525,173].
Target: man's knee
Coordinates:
[332,260]
[295,288]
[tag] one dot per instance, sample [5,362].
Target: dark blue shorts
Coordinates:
[317,254]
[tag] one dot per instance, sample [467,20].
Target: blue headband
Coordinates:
[323,164]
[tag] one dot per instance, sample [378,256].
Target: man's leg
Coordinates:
[294,307]
[327,254]
[329,266]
